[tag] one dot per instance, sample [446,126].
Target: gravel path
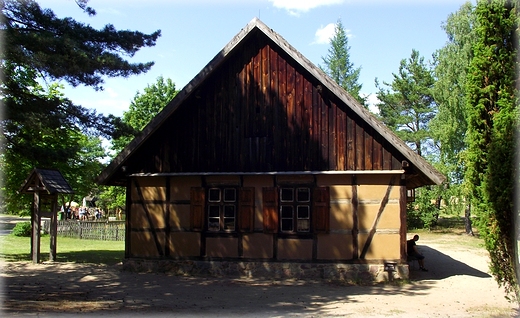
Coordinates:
[457,285]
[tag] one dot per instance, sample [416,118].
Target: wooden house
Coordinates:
[263,165]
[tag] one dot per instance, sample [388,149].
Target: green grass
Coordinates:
[13,249]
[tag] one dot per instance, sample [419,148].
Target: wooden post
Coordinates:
[36,219]
[402,213]
[53,228]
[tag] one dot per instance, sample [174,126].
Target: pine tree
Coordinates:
[408,106]
[339,67]
[41,127]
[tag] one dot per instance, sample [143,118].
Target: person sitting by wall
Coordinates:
[413,252]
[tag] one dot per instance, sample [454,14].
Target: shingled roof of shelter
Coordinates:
[48,180]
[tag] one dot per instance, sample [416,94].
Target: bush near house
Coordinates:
[22,229]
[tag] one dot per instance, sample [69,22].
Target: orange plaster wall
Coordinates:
[184,244]
[180,216]
[151,189]
[367,213]
[157,214]
[335,246]
[341,216]
[257,245]
[297,249]
[143,244]
[221,247]
[180,187]
[383,246]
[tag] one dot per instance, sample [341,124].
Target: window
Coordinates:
[222,209]
[295,210]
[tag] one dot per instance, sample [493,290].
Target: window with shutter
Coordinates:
[321,210]
[295,210]
[270,209]
[197,200]
[222,203]
[246,209]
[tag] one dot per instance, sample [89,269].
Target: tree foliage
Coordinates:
[408,106]
[492,119]
[449,125]
[41,127]
[338,65]
[143,108]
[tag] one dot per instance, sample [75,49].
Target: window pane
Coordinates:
[287,225]
[303,225]
[303,211]
[229,211]
[214,195]
[286,195]
[287,212]
[303,195]
[213,224]
[230,195]
[229,224]
[214,211]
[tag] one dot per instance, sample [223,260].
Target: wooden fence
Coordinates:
[90,230]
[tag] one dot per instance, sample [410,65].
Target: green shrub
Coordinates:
[422,214]
[22,229]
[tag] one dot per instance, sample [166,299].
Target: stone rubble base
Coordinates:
[349,273]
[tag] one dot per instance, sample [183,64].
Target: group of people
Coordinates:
[83,213]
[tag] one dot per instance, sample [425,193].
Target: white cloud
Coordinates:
[295,7]
[325,33]
[372,101]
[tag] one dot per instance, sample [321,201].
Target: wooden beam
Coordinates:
[53,229]
[35,239]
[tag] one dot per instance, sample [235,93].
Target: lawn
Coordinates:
[13,248]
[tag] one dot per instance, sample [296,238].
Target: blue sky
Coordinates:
[381,34]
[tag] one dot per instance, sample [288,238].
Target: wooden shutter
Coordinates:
[321,210]
[197,200]
[246,209]
[270,202]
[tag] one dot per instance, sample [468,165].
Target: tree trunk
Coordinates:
[467,220]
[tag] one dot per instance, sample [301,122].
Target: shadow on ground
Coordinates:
[104,257]
[442,266]
[62,287]
[91,288]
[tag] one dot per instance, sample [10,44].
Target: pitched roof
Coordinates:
[417,161]
[48,180]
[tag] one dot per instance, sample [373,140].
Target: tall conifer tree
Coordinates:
[492,106]
[40,126]
[338,65]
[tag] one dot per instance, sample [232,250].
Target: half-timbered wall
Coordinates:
[168,219]
[261,111]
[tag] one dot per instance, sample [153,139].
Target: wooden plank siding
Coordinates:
[260,111]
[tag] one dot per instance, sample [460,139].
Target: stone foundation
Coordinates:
[349,273]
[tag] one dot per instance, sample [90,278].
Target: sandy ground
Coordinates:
[457,285]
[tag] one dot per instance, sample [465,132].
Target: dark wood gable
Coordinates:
[260,110]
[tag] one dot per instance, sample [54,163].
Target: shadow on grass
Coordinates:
[106,257]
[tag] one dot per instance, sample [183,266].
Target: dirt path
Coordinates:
[457,285]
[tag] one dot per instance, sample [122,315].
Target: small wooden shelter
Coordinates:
[45,185]
[264,163]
